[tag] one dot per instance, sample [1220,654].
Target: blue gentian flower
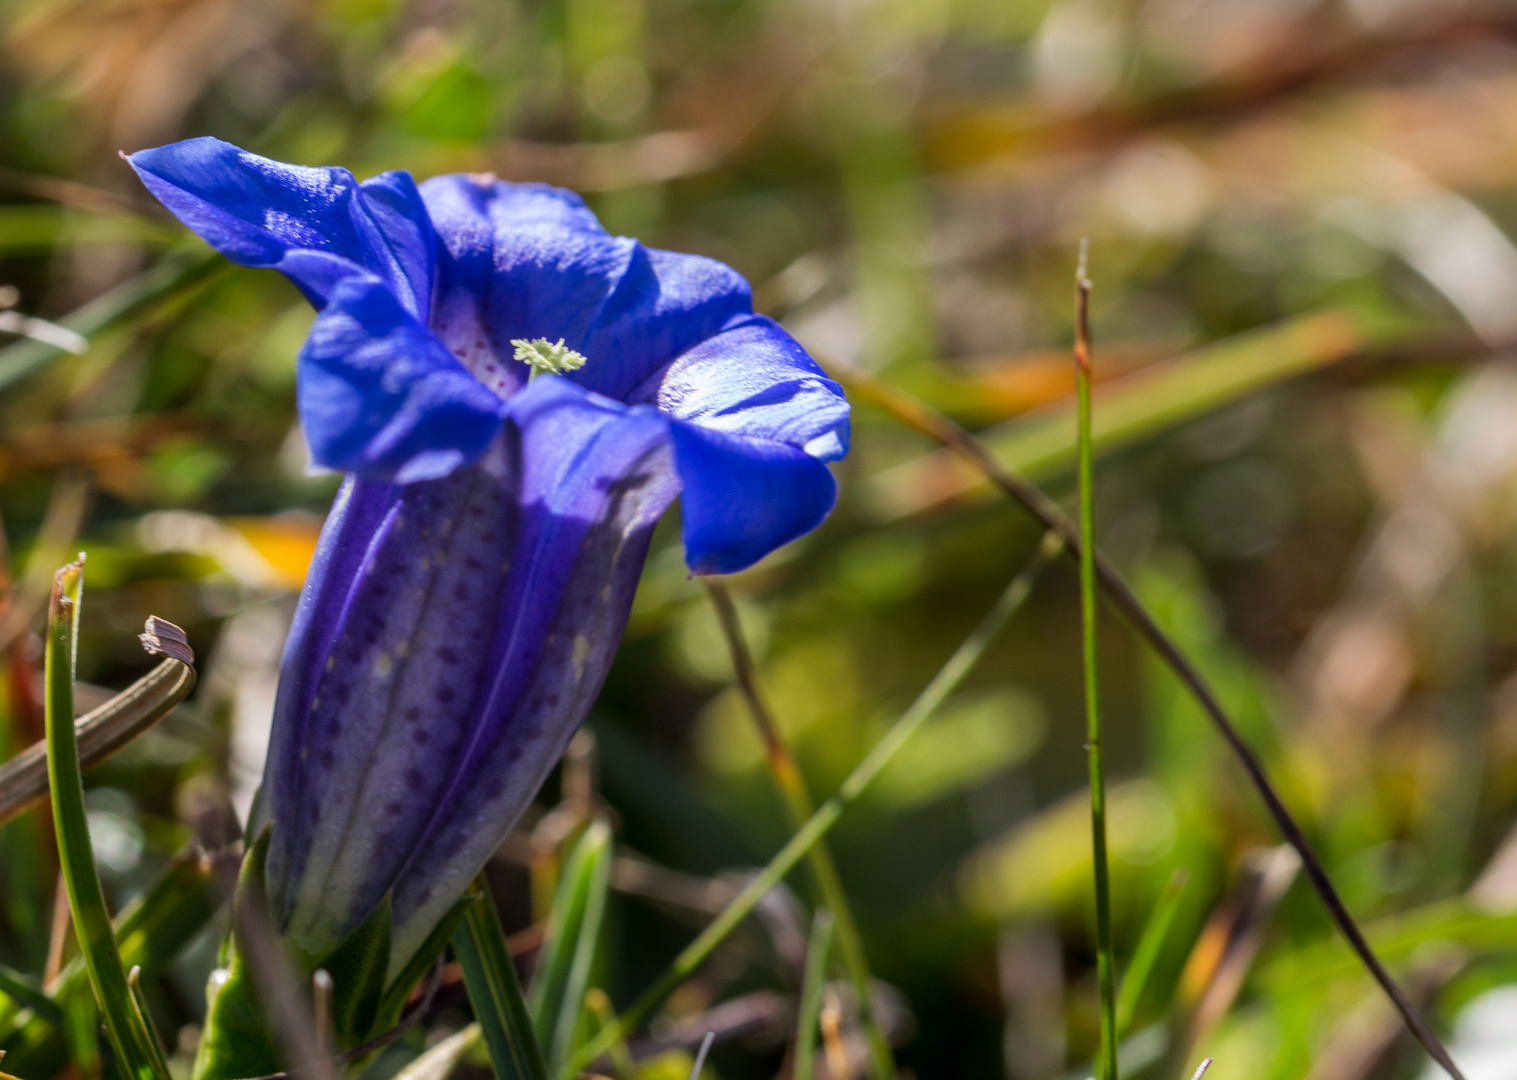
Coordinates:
[516,397]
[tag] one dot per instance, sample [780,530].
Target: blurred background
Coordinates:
[1301,216]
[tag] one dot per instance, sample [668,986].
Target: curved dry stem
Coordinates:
[941,429]
[103,731]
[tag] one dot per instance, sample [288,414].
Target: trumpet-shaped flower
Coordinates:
[516,397]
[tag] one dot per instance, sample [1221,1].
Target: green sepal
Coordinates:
[358,967]
[416,968]
[236,1041]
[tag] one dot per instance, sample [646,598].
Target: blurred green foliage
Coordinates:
[1326,521]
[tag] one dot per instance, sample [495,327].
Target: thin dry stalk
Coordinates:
[921,417]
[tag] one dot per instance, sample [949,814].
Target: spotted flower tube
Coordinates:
[516,397]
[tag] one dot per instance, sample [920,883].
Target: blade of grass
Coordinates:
[92,924]
[915,414]
[145,1020]
[105,730]
[67,508]
[172,274]
[1105,963]
[82,1034]
[152,929]
[1150,944]
[150,932]
[599,1004]
[360,1057]
[490,978]
[1397,937]
[817,949]
[817,826]
[439,1062]
[556,1001]
[1157,398]
[798,807]
[28,993]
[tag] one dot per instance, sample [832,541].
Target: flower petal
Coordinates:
[357,516]
[744,497]
[754,379]
[382,397]
[258,212]
[469,645]
[595,478]
[396,680]
[530,261]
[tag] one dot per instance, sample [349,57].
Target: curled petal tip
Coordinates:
[162,638]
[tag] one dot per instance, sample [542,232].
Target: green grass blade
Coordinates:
[556,1000]
[135,1055]
[807,1017]
[604,1013]
[439,1062]
[928,701]
[145,1020]
[1150,945]
[934,425]
[82,1033]
[490,978]
[796,798]
[1105,960]
[26,992]
[175,272]
[150,932]
[152,929]
[1156,399]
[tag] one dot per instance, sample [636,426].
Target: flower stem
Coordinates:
[943,683]
[798,808]
[1105,964]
